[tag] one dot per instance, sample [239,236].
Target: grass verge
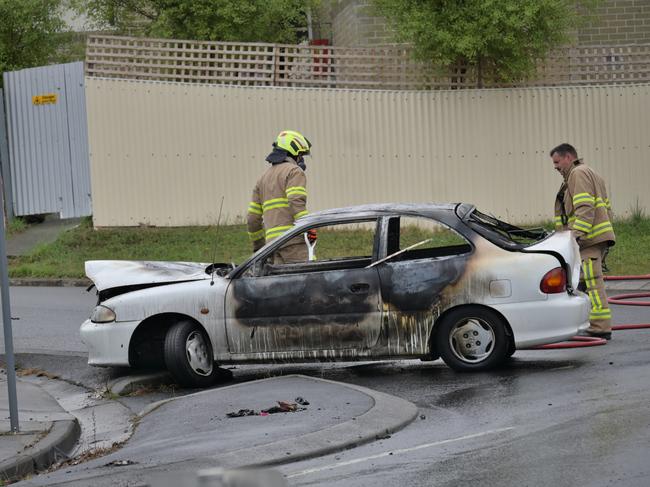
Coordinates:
[66,256]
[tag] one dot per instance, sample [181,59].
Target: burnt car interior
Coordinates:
[440,242]
[329,259]
[507,235]
[408,238]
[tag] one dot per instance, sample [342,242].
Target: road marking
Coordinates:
[395,452]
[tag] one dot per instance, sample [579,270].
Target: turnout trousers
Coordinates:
[591,281]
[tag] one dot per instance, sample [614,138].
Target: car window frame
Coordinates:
[385,227]
[271,247]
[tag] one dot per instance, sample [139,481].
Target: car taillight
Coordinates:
[554,281]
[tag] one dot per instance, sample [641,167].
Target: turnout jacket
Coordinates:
[582,206]
[279,198]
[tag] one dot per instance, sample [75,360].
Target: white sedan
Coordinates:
[388,281]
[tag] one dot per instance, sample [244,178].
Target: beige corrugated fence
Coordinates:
[165,154]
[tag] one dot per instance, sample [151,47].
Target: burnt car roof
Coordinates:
[381,209]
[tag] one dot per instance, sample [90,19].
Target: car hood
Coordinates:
[107,274]
[564,244]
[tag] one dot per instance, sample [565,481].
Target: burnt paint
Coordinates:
[306,311]
[416,285]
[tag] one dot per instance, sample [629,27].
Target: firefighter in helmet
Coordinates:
[280,197]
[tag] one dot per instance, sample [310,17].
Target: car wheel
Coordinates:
[472,338]
[188,355]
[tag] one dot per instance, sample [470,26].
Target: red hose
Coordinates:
[621,299]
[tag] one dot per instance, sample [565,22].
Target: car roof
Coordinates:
[382,209]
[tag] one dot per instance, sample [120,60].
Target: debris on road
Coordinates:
[282,407]
[120,463]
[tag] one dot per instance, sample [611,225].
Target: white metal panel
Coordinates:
[48,142]
[164,153]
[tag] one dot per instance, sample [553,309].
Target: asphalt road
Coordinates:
[47,319]
[562,417]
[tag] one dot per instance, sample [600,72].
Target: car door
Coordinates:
[423,260]
[309,309]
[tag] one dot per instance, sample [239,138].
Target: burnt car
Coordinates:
[387,281]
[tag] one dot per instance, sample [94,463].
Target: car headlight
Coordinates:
[102,314]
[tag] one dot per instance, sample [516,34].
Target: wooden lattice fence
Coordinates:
[383,67]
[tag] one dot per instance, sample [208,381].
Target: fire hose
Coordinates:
[620,299]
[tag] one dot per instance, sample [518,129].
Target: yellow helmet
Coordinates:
[293,142]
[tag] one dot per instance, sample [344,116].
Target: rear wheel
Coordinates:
[472,338]
[188,355]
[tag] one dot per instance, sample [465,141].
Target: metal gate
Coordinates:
[48,140]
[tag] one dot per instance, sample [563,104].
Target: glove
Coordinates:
[311,236]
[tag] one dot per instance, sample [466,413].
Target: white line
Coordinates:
[394,452]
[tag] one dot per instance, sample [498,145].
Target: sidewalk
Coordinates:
[39,233]
[47,431]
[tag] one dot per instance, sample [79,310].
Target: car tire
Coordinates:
[188,355]
[472,338]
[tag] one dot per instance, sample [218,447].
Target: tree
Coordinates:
[220,20]
[500,39]
[28,32]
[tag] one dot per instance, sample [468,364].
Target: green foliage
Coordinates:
[16,225]
[28,32]
[66,256]
[500,39]
[217,20]
[630,254]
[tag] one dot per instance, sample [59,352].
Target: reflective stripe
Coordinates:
[300,214]
[256,235]
[254,208]
[582,225]
[293,190]
[588,275]
[602,203]
[274,203]
[594,297]
[276,231]
[275,206]
[583,198]
[600,229]
[601,314]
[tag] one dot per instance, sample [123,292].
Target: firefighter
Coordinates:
[582,206]
[280,198]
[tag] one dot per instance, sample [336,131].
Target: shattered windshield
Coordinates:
[498,231]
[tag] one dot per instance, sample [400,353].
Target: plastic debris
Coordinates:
[282,407]
[242,412]
[120,463]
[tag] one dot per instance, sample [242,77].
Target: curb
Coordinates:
[388,415]
[50,282]
[127,385]
[60,439]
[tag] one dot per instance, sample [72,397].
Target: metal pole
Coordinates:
[4,159]
[6,321]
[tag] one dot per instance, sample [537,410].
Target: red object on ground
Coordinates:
[621,299]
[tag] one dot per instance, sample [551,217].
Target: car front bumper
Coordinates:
[555,319]
[108,343]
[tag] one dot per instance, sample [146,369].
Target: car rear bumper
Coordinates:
[553,320]
[108,343]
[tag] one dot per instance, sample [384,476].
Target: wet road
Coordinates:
[561,418]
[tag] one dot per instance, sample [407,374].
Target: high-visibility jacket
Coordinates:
[279,198]
[582,205]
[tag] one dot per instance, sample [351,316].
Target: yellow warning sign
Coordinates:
[48,99]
